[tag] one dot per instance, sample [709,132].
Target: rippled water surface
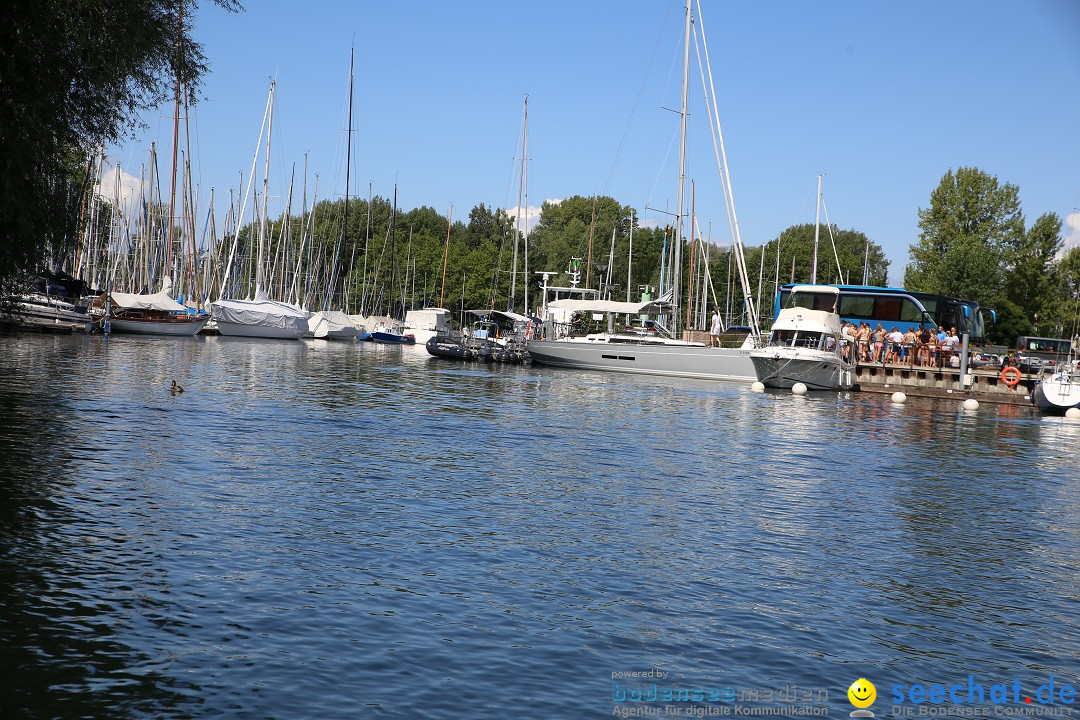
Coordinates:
[319,530]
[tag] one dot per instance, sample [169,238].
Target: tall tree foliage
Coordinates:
[796,244]
[74,75]
[973,244]
[564,232]
[972,222]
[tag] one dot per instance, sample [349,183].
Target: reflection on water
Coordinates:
[343,530]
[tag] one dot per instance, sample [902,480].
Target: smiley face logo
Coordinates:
[862,693]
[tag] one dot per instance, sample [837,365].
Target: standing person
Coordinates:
[908,349]
[879,344]
[847,333]
[922,346]
[863,338]
[896,341]
[715,329]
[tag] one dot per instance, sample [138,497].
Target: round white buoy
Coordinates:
[971,404]
[1073,413]
[899,398]
[758,387]
[798,389]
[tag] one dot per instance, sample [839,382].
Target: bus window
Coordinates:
[857,306]
[826,302]
[910,312]
[887,309]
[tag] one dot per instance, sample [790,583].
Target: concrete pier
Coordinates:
[982,384]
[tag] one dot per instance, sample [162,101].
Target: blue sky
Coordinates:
[881,97]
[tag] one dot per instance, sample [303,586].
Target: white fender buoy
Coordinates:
[757,387]
[971,404]
[899,398]
[1073,413]
[798,389]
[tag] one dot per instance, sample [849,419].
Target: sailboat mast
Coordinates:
[175,138]
[525,182]
[266,198]
[348,166]
[445,255]
[676,256]
[517,223]
[817,231]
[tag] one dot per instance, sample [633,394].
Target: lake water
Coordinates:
[319,530]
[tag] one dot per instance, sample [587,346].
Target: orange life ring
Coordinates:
[1010,376]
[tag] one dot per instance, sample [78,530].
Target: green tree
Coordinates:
[1032,284]
[564,232]
[74,75]
[972,225]
[1064,317]
[853,248]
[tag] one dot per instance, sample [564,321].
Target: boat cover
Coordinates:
[162,300]
[264,313]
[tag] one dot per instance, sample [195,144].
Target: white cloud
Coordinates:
[113,180]
[531,214]
[1072,231]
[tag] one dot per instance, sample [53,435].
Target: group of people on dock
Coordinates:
[921,348]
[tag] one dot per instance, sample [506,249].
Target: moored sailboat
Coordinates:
[259,317]
[156,314]
[650,354]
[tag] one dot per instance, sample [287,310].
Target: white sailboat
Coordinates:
[259,317]
[1058,393]
[327,324]
[804,347]
[649,354]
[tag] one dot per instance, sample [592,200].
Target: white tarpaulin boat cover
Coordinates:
[158,301]
[330,322]
[261,313]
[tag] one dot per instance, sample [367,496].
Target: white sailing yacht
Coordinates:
[259,317]
[646,353]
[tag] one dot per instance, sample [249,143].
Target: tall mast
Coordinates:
[525,182]
[175,139]
[817,231]
[676,256]
[348,151]
[266,198]
[348,166]
[521,189]
[445,255]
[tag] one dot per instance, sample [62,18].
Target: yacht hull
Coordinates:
[180,327]
[690,361]
[777,369]
[1056,394]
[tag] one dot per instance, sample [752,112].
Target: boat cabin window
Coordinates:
[782,337]
[814,301]
[808,340]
